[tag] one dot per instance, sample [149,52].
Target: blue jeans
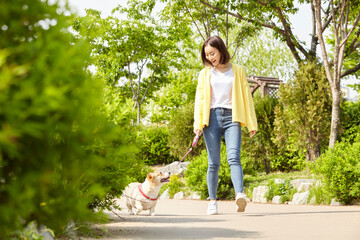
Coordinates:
[221,124]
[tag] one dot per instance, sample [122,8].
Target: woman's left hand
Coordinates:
[252,133]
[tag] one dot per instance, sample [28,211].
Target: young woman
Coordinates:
[223,104]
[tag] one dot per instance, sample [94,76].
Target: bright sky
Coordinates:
[105,6]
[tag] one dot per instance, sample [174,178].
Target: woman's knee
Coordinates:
[235,161]
[213,167]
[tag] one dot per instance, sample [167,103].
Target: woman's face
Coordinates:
[213,55]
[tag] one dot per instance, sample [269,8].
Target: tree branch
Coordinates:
[327,17]
[208,23]
[352,29]
[131,83]
[236,47]
[329,76]
[193,20]
[148,86]
[353,42]
[227,29]
[292,43]
[204,24]
[216,21]
[350,71]
[314,38]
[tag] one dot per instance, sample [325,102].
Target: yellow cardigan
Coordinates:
[242,102]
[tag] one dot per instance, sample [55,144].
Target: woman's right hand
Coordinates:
[198,132]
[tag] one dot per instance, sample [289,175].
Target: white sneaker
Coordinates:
[240,201]
[212,208]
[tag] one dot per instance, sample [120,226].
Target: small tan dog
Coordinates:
[143,196]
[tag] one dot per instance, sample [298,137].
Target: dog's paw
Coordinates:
[131,213]
[152,214]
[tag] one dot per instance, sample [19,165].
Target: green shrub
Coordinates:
[320,195]
[303,114]
[261,148]
[175,185]
[288,159]
[350,121]
[249,166]
[284,190]
[181,133]
[153,143]
[195,176]
[340,168]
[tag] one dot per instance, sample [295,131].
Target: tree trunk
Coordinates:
[267,166]
[312,153]
[138,113]
[335,115]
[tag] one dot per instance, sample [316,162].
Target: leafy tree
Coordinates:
[207,22]
[304,110]
[133,54]
[49,119]
[342,16]
[173,96]
[344,19]
[272,15]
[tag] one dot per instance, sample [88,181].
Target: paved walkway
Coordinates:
[187,219]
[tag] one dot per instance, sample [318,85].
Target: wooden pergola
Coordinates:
[268,85]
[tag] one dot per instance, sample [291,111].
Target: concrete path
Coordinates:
[187,219]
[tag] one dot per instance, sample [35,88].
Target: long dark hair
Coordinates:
[216,42]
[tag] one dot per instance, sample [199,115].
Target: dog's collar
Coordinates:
[152,199]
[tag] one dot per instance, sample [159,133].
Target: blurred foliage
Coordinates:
[340,171]
[304,111]
[48,114]
[59,156]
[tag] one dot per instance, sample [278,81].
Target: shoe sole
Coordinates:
[241,204]
[212,213]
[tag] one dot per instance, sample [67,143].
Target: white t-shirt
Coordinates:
[221,89]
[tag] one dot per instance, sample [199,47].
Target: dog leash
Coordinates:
[196,139]
[123,195]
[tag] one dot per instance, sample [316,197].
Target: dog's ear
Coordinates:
[150,177]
